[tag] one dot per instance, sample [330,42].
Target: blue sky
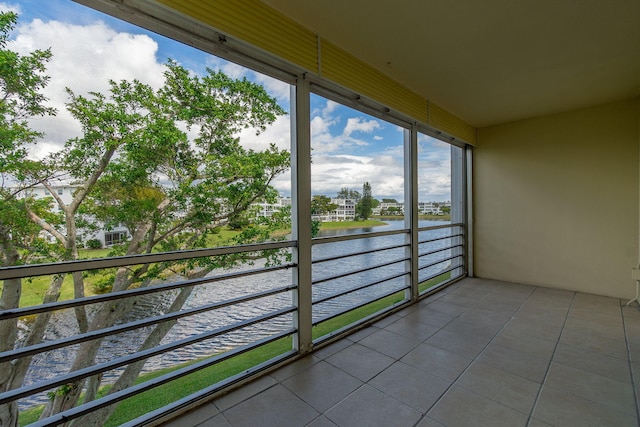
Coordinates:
[89,48]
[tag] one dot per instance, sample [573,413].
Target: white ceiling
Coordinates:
[490,61]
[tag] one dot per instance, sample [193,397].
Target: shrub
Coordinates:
[94,244]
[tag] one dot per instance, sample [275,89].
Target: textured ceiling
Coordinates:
[491,61]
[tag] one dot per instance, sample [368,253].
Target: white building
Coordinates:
[65,192]
[266,210]
[433,208]
[388,209]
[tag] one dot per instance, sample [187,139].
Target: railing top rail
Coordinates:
[322,240]
[435,227]
[31,270]
[25,311]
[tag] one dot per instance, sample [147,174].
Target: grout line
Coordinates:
[555,347]
[426,414]
[633,382]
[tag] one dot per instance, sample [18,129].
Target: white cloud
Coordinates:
[383,171]
[279,133]
[84,58]
[8,7]
[357,124]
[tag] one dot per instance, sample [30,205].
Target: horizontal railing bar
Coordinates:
[332,239]
[440,261]
[187,401]
[435,227]
[355,307]
[150,321]
[440,238]
[360,270]
[70,377]
[118,396]
[440,273]
[358,288]
[26,311]
[31,270]
[461,245]
[378,314]
[370,251]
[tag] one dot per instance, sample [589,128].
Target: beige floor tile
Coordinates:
[429,422]
[510,390]
[608,346]
[243,393]
[515,362]
[436,361]
[411,386]
[390,343]
[617,395]
[535,347]
[594,362]
[322,385]
[321,421]
[479,411]
[431,317]
[369,407]
[198,416]
[559,408]
[275,407]
[518,327]
[467,345]
[410,328]
[447,307]
[217,421]
[295,367]
[537,423]
[360,361]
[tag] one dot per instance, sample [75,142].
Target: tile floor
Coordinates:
[480,353]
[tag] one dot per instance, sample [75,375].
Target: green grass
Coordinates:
[354,316]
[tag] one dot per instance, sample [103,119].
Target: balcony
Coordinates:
[166,345]
[478,353]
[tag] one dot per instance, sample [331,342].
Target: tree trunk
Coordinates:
[132,371]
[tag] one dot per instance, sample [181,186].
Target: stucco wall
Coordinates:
[556,200]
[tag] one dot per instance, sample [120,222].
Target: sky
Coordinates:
[89,48]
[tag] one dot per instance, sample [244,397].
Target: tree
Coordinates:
[364,207]
[322,205]
[136,165]
[389,201]
[346,193]
[21,84]
[212,181]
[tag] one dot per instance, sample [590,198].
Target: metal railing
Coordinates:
[355,278]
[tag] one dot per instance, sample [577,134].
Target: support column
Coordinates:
[301,211]
[411,207]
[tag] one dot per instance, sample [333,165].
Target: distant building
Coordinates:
[433,208]
[65,192]
[386,208]
[266,210]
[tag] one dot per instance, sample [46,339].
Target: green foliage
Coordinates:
[346,193]
[364,206]
[315,228]
[22,80]
[94,244]
[322,205]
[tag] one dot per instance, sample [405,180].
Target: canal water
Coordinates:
[57,362]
